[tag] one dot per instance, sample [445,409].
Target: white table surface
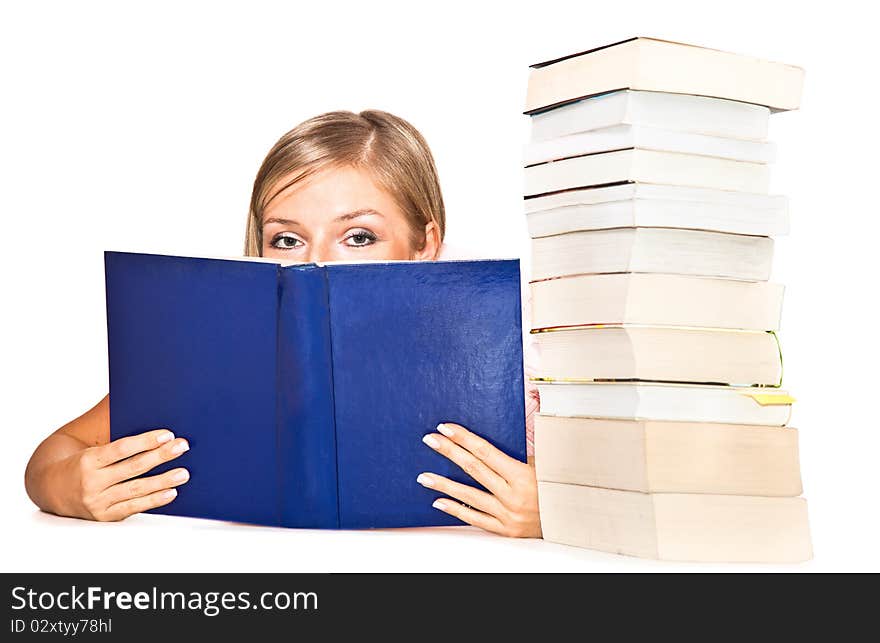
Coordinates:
[154,543]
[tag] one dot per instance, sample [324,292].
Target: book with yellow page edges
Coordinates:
[663,425]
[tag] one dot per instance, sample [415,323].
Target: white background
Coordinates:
[141,128]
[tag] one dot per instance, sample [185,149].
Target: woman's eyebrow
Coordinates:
[358,213]
[281,221]
[342,217]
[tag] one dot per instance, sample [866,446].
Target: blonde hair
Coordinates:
[390,148]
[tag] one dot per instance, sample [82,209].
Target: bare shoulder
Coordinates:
[93,426]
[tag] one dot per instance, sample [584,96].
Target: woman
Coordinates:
[340,186]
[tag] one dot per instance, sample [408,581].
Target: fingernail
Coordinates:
[445,430]
[425,480]
[170,493]
[431,441]
[439,504]
[165,436]
[181,476]
[180,447]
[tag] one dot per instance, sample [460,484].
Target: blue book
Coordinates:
[304,390]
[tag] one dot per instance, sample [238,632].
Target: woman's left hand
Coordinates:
[511,506]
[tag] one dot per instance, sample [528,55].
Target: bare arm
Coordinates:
[77,471]
[47,464]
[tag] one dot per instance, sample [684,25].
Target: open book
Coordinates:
[305,389]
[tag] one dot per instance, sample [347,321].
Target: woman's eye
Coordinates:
[361,238]
[285,242]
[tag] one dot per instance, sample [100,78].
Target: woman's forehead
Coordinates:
[330,193]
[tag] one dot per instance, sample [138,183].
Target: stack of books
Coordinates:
[662,426]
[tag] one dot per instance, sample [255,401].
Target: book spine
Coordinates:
[305,405]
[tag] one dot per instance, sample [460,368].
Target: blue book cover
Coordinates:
[304,390]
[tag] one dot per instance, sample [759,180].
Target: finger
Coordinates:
[126,447]
[469,463]
[485,502]
[469,515]
[494,458]
[126,508]
[143,462]
[144,486]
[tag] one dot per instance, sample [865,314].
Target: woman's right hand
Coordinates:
[100,478]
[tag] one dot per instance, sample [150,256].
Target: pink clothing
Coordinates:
[533,399]
[531,353]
